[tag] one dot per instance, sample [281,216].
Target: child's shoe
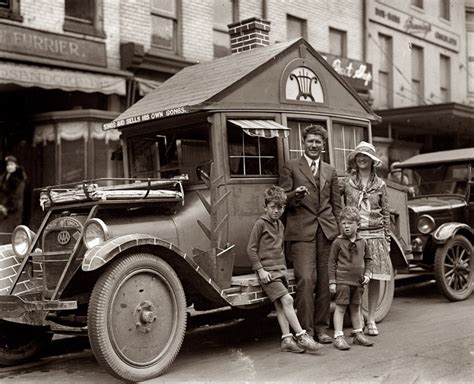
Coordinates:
[360,339]
[341,343]
[306,342]
[288,344]
[372,329]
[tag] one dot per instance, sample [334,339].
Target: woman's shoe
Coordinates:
[372,329]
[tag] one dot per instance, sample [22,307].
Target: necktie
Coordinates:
[313,167]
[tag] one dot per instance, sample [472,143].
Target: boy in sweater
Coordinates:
[265,251]
[350,266]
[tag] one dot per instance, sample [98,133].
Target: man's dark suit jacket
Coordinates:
[304,216]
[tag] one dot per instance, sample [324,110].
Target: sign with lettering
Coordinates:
[146,117]
[54,46]
[357,73]
[412,25]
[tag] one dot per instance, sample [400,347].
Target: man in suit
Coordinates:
[312,222]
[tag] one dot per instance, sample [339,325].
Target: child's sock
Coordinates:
[286,335]
[356,330]
[338,333]
[300,333]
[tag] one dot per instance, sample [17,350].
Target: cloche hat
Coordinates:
[366,149]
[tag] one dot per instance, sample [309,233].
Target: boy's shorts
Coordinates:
[348,294]
[277,287]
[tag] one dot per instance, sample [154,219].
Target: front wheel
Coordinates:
[387,290]
[454,268]
[137,317]
[20,343]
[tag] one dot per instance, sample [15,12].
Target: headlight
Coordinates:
[95,233]
[425,224]
[22,237]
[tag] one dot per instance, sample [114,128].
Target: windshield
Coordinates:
[439,179]
[170,154]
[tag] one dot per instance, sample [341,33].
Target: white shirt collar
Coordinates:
[310,160]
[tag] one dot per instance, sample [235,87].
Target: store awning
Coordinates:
[66,80]
[262,128]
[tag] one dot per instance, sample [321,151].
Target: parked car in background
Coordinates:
[442,218]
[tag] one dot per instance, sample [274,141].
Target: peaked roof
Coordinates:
[196,84]
[199,83]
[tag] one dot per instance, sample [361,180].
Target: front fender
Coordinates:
[186,268]
[447,230]
[100,255]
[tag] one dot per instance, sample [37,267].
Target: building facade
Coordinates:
[422,75]
[68,66]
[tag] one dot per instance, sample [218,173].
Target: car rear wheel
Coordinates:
[387,290]
[137,317]
[454,268]
[20,343]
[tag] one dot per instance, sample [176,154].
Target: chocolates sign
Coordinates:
[50,45]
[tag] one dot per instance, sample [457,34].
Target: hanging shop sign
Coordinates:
[357,73]
[32,42]
[412,25]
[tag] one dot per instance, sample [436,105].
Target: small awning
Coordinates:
[262,128]
[66,80]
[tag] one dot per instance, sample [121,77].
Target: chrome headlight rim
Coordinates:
[29,234]
[425,224]
[103,227]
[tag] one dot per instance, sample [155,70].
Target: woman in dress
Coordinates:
[362,188]
[12,187]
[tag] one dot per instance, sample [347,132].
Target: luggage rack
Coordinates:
[130,188]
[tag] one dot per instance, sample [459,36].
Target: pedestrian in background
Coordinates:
[350,266]
[265,251]
[12,189]
[363,189]
[313,207]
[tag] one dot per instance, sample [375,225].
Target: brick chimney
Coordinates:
[249,34]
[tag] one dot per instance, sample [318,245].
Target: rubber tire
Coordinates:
[101,326]
[28,342]
[440,273]
[387,288]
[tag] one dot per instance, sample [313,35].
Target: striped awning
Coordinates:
[262,128]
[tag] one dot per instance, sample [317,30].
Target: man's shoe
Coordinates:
[360,339]
[341,343]
[306,342]
[288,344]
[323,338]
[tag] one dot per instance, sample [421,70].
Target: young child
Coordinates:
[265,250]
[350,266]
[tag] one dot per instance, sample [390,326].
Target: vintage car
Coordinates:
[126,260]
[442,218]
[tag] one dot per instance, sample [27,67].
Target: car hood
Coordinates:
[435,203]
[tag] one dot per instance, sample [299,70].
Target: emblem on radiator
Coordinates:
[64,237]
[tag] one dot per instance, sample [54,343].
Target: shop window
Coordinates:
[295,27]
[417,3]
[417,75]
[10,9]
[107,159]
[225,12]
[337,42]
[84,16]
[445,9]
[384,83]
[295,139]
[444,81]
[72,167]
[251,155]
[167,155]
[345,139]
[165,25]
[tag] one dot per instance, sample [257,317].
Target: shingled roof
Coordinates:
[198,83]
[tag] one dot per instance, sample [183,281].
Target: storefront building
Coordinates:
[421,76]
